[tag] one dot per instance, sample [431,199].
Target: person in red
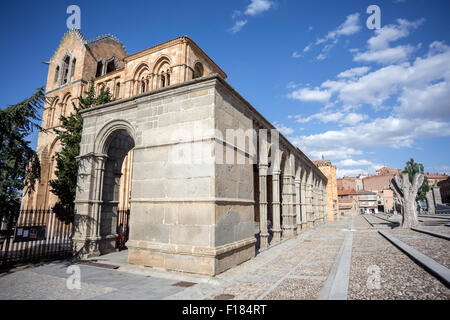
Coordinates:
[120,239]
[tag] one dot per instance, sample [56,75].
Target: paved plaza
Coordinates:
[347,259]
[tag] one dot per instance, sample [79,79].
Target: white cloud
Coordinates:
[349,27]
[306,94]
[236,13]
[426,78]
[386,56]
[296,55]
[423,75]
[325,117]
[381,132]
[354,72]
[392,32]
[354,163]
[432,102]
[238,25]
[257,7]
[379,49]
[283,129]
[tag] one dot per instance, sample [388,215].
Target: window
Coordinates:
[65,70]
[117,92]
[99,69]
[163,81]
[56,74]
[72,72]
[198,70]
[110,67]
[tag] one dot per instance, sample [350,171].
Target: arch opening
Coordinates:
[114,211]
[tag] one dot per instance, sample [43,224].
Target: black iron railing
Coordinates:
[37,235]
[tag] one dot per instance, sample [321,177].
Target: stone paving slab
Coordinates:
[48,282]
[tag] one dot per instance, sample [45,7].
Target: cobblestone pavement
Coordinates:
[346,259]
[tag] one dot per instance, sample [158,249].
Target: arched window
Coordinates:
[65,70]
[111,66]
[117,91]
[67,100]
[162,70]
[99,71]
[72,72]
[198,70]
[140,82]
[51,113]
[56,74]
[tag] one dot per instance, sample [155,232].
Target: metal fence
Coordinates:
[37,235]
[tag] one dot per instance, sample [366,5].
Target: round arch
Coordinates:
[101,141]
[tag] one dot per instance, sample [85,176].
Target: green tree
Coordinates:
[19,163]
[69,135]
[411,169]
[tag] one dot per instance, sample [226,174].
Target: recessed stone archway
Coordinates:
[98,189]
[117,146]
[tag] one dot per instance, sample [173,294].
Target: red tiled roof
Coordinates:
[348,191]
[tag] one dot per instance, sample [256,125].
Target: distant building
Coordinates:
[385,170]
[348,202]
[435,178]
[444,186]
[329,171]
[367,201]
[346,183]
[380,185]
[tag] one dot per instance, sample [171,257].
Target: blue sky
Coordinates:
[362,98]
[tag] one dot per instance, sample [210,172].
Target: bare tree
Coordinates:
[406,192]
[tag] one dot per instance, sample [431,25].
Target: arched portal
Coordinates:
[116,148]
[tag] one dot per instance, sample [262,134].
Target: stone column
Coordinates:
[303,203]
[322,211]
[86,236]
[289,225]
[264,234]
[276,206]
[309,201]
[325,203]
[298,209]
[98,191]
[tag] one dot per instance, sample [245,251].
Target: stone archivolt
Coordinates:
[203,216]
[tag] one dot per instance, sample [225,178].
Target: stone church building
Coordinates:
[206,177]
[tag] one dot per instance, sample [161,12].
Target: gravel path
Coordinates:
[437,249]
[381,271]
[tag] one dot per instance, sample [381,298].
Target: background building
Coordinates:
[380,185]
[348,202]
[329,171]
[445,190]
